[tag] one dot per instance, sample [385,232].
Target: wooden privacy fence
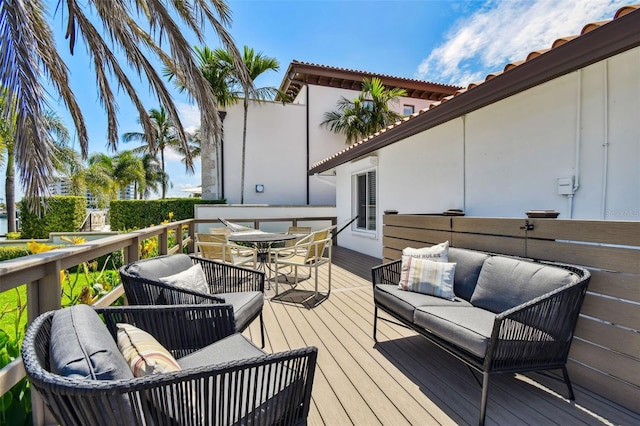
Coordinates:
[605,353]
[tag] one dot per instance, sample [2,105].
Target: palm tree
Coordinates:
[56,135]
[367,114]
[165,135]
[154,177]
[99,179]
[256,64]
[29,56]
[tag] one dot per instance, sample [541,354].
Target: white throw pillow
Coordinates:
[427,277]
[191,279]
[437,253]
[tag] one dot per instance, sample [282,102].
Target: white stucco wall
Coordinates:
[276,153]
[505,159]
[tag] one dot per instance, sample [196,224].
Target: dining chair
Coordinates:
[218,247]
[310,252]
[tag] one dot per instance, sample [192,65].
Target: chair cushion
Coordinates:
[404,303]
[504,282]
[467,327]
[468,266]
[232,348]
[437,253]
[81,346]
[246,306]
[162,266]
[143,353]
[427,277]
[191,279]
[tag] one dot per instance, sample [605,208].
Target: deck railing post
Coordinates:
[179,239]
[192,233]
[163,242]
[43,295]
[132,252]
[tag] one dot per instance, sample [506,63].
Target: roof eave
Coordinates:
[604,42]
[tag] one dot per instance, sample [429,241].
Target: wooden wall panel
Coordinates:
[490,243]
[442,223]
[417,237]
[619,366]
[389,254]
[476,225]
[618,339]
[611,258]
[609,387]
[612,310]
[615,285]
[608,232]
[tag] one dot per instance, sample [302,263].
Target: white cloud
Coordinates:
[504,31]
[189,115]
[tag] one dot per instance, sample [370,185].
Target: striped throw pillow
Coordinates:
[427,277]
[143,353]
[437,253]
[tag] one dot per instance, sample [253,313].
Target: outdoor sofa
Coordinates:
[508,314]
[149,282]
[72,359]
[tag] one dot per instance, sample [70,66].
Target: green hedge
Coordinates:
[63,214]
[125,215]
[11,252]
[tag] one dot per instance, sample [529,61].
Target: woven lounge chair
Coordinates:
[241,287]
[222,380]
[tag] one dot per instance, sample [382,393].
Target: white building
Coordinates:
[283,141]
[558,131]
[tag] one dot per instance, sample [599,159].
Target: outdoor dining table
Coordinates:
[262,241]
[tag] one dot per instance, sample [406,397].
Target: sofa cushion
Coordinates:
[427,277]
[246,306]
[143,353]
[232,348]
[191,279]
[405,302]
[81,346]
[505,282]
[467,327]
[468,266]
[162,266]
[437,253]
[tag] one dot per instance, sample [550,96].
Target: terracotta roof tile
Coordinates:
[531,56]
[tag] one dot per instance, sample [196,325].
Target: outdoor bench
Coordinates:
[509,314]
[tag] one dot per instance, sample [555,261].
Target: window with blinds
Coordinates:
[365,200]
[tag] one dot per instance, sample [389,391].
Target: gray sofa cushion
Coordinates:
[468,266]
[81,346]
[246,305]
[232,348]
[467,327]
[405,302]
[162,266]
[504,282]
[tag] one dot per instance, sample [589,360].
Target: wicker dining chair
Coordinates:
[222,380]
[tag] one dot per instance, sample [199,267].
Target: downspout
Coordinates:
[576,179]
[464,163]
[308,143]
[223,114]
[605,145]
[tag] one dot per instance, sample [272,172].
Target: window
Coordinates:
[408,109]
[365,200]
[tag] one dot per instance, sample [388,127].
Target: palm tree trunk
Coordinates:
[244,146]
[164,175]
[10,192]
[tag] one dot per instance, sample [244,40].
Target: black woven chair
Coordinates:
[261,390]
[241,287]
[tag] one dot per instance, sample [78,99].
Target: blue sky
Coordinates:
[446,41]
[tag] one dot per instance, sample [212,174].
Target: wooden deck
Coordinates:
[403,379]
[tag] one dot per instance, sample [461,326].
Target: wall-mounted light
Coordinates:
[259,188]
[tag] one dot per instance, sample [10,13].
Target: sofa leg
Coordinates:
[485,394]
[375,323]
[565,373]
[262,330]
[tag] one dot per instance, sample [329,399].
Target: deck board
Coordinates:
[403,378]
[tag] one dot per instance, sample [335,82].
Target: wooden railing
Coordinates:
[605,354]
